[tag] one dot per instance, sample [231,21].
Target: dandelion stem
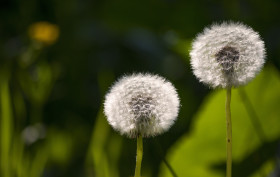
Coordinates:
[172,171]
[255,120]
[229,133]
[169,167]
[139,156]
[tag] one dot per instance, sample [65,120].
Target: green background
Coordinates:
[51,116]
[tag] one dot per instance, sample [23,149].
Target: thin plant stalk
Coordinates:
[254,118]
[169,167]
[172,171]
[139,156]
[229,133]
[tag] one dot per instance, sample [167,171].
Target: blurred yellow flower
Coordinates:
[44,32]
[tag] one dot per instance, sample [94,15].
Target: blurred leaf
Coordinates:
[195,154]
[183,47]
[96,155]
[38,164]
[17,157]
[104,150]
[254,161]
[37,83]
[6,123]
[265,169]
[19,106]
[59,146]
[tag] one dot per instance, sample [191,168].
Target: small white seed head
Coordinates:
[141,104]
[227,55]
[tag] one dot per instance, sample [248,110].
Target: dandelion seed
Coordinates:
[227,55]
[141,104]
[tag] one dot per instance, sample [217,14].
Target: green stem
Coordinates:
[139,156]
[255,120]
[229,133]
[169,167]
[172,171]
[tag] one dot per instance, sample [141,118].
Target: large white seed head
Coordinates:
[227,55]
[141,104]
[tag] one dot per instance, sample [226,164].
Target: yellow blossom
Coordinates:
[44,32]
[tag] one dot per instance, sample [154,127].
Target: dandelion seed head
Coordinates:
[141,104]
[227,54]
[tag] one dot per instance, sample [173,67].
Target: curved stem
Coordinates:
[229,134]
[169,167]
[255,120]
[139,156]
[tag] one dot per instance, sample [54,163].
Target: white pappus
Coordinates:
[227,55]
[141,104]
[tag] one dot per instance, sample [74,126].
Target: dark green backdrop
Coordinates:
[58,97]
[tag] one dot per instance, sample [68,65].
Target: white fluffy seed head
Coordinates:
[141,104]
[227,55]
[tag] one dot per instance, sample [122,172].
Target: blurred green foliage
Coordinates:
[52,91]
[202,152]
